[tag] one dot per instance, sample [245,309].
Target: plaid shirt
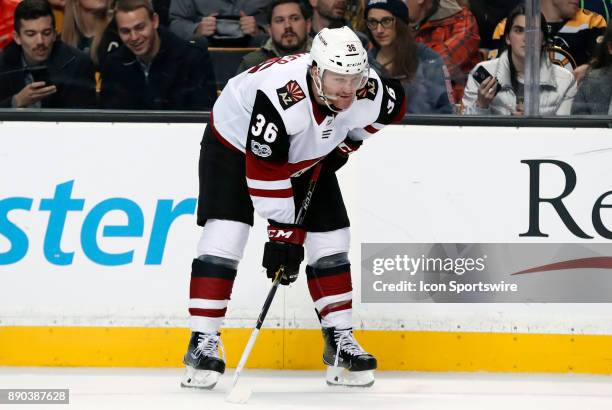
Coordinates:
[456,39]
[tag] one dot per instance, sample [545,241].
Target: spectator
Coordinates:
[557,85]
[573,33]
[396,55]
[288,27]
[332,14]
[7,8]
[595,93]
[327,13]
[154,69]
[82,20]
[488,13]
[451,31]
[38,71]
[86,27]
[226,23]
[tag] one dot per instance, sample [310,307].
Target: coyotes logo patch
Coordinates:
[369,91]
[290,94]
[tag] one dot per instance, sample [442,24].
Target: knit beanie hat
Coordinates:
[396,7]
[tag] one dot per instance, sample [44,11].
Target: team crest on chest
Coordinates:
[369,91]
[290,94]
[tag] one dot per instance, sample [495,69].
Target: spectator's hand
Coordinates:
[248,25]
[33,93]
[580,72]
[207,26]
[58,4]
[486,92]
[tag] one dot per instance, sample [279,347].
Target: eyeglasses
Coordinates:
[385,22]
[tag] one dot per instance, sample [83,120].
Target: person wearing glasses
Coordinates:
[396,55]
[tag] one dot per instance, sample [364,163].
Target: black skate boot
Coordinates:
[202,361]
[347,363]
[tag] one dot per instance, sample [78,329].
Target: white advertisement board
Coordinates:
[97,221]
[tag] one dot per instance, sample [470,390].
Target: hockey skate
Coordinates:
[202,361]
[347,363]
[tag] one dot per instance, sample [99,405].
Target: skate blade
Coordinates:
[199,379]
[339,376]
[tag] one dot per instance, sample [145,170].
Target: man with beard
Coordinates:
[327,13]
[289,24]
[39,71]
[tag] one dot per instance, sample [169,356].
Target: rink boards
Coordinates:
[97,232]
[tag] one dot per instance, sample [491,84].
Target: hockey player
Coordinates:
[270,125]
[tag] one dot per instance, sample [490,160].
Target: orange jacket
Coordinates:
[7,8]
[456,39]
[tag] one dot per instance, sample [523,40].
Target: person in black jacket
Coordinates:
[39,71]
[154,69]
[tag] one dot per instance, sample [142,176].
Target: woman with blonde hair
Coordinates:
[87,26]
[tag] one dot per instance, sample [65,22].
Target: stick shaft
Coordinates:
[268,302]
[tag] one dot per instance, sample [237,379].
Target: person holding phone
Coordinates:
[498,86]
[37,71]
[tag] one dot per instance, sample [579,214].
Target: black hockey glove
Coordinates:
[339,156]
[285,248]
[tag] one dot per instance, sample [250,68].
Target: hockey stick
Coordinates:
[264,310]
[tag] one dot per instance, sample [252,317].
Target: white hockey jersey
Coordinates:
[269,113]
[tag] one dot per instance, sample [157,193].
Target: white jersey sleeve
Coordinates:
[386,99]
[267,172]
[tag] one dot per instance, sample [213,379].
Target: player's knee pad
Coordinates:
[322,244]
[331,261]
[219,261]
[224,239]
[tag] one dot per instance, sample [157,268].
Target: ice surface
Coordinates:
[152,389]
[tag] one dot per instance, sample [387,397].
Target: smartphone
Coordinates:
[41,74]
[482,74]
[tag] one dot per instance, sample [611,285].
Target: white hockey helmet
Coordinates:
[340,51]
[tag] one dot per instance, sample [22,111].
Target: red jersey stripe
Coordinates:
[265,170]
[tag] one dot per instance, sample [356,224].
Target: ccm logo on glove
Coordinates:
[293,235]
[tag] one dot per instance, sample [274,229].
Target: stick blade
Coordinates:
[239,395]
